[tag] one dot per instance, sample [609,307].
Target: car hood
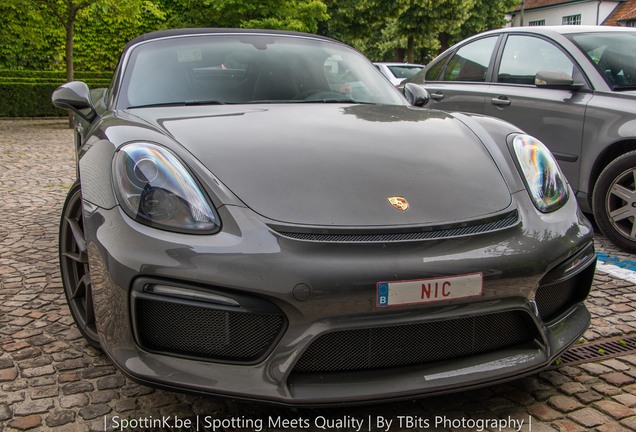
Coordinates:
[338,165]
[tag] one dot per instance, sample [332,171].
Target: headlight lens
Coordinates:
[543,177]
[154,188]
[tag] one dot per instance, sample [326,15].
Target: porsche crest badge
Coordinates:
[399,202]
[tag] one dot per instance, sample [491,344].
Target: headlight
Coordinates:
[543,177]
[154,188]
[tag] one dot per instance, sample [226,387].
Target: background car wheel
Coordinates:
[614,201]
[76,277]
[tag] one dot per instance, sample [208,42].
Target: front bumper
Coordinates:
[329,288]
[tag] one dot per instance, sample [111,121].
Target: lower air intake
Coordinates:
[205,332]
[415,344]
[553,299]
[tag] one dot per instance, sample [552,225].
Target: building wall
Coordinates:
[554,15]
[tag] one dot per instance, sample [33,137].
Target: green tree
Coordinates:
[368,25]
[27,39]
[296,15]
[103,31]
[299,15]
[89,34]
[421,21]
[485,15]
[58,34]
[65,12]
[359,19]
[411,30]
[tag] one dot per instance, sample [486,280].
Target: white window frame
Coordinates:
[571,20]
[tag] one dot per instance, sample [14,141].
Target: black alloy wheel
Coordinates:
[614,201]
[76,276]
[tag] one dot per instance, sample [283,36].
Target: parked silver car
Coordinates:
[573,87]
[398,72]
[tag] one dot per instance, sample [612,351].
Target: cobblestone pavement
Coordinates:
[51,380]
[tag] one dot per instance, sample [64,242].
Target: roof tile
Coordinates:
[626,11]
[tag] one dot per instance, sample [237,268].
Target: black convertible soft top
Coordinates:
[196,31]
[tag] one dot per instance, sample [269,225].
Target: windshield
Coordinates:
[248,68]
[613,54]
[404,71]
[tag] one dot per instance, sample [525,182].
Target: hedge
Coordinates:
[81,75]
[18,80]
[28,93]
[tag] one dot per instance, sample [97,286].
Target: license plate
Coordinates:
[400,293]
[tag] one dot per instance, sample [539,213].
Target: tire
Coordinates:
[614,201]
[74,267]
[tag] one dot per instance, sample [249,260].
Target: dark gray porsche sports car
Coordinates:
[261,214]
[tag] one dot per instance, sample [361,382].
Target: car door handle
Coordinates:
[437,96]
[500,101]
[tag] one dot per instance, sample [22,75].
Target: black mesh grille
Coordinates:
[506,222]
[203,332]
[555,298]
[415,344]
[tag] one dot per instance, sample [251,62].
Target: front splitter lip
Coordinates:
[372,400]
[187,376]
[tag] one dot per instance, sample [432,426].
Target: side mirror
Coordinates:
[416,95]
[555,80]
[75,96]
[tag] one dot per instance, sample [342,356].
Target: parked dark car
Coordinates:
[261,214]
[574,88]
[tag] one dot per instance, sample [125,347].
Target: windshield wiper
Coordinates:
[204,102]
[183,103]
[332,100]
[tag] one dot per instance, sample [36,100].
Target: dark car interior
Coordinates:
[230,75]
[615,67]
